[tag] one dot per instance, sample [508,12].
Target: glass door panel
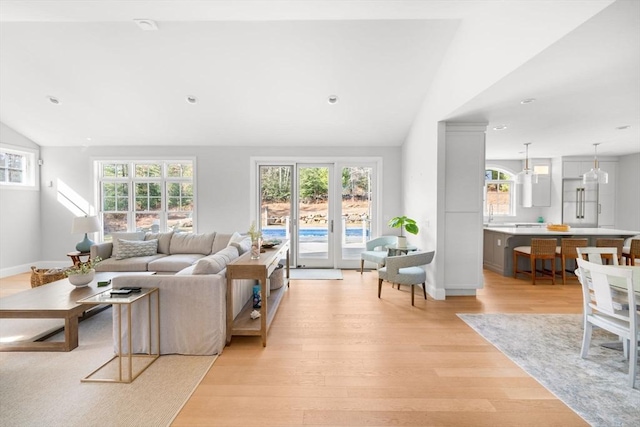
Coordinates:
[275,201]
[315,221]
[356,210]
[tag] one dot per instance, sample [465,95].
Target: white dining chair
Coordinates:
[595,254]
[609,302]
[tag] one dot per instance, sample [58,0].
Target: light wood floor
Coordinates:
[339,356]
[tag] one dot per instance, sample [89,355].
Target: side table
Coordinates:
[119,302]
[75,256]
[394,250]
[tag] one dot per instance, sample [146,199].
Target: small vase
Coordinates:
[402,242]
[255,248]
[257,297]
[81,280]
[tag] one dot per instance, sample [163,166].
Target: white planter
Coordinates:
[402,242]
[80,280]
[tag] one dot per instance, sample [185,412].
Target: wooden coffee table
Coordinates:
[55,300]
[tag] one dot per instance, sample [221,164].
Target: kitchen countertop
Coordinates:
[537,231]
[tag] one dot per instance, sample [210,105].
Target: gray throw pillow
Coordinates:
[135,248]
[125,235]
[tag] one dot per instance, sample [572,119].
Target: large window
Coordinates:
[18,168]
[146,195]
[499,193]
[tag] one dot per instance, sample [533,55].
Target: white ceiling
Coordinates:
[262,72]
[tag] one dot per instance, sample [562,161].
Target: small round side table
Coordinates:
[75,256]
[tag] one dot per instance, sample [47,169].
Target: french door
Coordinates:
[325,209]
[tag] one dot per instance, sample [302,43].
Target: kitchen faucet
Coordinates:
[490,213]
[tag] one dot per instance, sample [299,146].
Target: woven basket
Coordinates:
[558,227]
[42,276]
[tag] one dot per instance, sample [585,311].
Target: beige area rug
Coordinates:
[45,389]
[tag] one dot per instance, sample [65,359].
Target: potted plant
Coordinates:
[82,273]
[404,223]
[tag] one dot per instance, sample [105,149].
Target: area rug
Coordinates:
[44,388]
[547,347]
[315,274]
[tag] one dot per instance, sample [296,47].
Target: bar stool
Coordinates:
[540,249]
[632,252]
[610,243]
[567,250]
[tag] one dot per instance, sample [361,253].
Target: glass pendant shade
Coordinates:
[595,175]
[526,175]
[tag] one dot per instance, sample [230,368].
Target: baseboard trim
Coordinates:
[25,268]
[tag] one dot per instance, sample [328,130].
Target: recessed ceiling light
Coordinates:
[54,100]
[528,101]
[333,99]
[500,127]
[146,24]
[192,99]
[623,127]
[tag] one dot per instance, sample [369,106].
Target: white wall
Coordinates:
[19,216]
[223,183]
[628,200]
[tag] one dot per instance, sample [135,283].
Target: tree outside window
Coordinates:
[499,194]
[146,196]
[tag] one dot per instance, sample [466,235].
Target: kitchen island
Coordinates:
[500,241]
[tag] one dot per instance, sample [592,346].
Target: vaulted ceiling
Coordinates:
[262,72]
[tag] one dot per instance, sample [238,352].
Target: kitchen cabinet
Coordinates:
[493,251]
[541,192]
[607,196]
[576,168]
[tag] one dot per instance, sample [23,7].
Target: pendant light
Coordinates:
[595,175]
[527,176]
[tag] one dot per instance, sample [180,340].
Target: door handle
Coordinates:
[577,203]
[332,226]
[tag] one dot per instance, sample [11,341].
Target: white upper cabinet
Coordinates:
[541,192]
[575,168]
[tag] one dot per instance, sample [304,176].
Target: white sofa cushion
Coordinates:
[164,240]
[136,248]
[213,264]
[135,235]
[173,263]
[187,243]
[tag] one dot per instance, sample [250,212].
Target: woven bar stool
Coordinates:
[540,249]
[610,243]
[632,252]
[567,250]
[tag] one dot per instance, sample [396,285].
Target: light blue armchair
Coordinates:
[377,256]
[406,270]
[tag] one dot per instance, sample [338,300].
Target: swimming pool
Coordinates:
[353,234]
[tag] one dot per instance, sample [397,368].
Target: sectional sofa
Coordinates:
[190,273]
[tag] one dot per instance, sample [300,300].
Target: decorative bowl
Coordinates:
[81,280]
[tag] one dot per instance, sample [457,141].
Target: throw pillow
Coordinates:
[135,248]
[243,246]
[164,239]
[135,235]
[214,264]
